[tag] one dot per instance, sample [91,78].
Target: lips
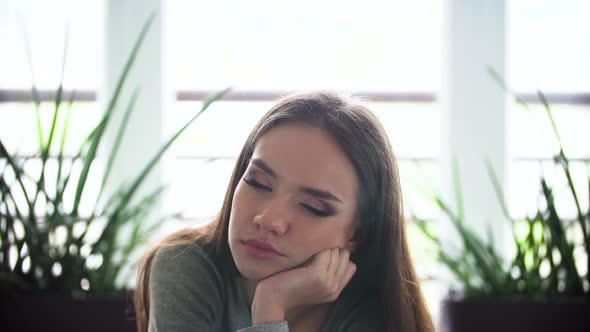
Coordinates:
[263,245]
[261,249]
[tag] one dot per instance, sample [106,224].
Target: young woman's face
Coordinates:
[298,196]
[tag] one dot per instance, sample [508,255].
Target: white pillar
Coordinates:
[124,20]
[474,117]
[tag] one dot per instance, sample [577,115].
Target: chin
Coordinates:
[254,272]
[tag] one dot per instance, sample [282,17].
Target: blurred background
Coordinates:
[421,65]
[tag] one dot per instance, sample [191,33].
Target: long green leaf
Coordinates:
[564,162]
[129,194]
[137,237]
[471,240]
[83,147]
[57,103]
[455,267]
[114,99]
[117,142]
[34,91]
[550,116]
[62,144]
[18,173]
[445,208]
[146,170]
[500,80]
[8,196]
[108,237]
[458,192]
[423,227]
[573,284]
[61,188]
[498,189]
[475,246]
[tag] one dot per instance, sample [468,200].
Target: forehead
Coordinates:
[308,156]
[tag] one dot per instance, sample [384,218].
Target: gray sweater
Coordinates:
[190,292]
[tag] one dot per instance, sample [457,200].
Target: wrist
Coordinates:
[266,315]
[266,309]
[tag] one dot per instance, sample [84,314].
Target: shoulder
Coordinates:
[188,263]
[185,285]
[184,258]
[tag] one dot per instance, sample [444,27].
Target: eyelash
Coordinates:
[319,213]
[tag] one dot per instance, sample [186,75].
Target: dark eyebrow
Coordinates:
[320,194]
[308,190]
[262,165]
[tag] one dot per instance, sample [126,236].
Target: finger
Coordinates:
[342,281]
[343,263]
[321,260]
[333,266]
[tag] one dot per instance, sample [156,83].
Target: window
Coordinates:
[265,49]
[549,51]
[45,24]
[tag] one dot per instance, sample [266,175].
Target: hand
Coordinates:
[319,280]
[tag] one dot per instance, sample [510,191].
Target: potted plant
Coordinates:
[53,274]
[540,287]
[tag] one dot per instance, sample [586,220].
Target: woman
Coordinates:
[310,237]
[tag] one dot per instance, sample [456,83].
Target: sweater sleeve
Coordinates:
[186,291]
[268,327]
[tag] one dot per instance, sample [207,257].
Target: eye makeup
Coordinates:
[255,184]
[258,163]
[250,180]
[320,213]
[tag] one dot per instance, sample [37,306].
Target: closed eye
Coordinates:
[317,212]
[255,184]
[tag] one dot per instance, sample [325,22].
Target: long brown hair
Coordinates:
[383,261]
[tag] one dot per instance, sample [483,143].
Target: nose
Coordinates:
[273,218]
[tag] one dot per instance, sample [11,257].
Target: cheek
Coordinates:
[235,208]
[243,207]
[323,237]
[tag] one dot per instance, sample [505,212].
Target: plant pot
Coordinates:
[47,312]
[511,314]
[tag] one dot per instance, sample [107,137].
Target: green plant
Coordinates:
[32,257]
[544,264]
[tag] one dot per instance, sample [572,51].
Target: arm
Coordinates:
[280,326]
[319,280]
[187,294]
[186,291]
